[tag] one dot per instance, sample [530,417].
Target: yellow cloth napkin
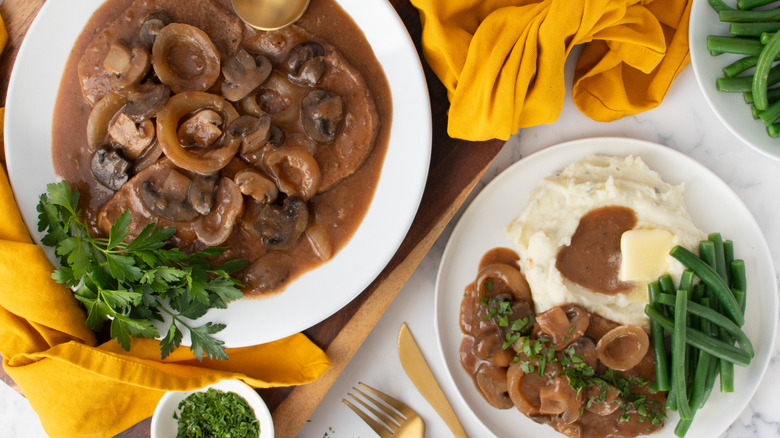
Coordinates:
[502,61]
[81,389]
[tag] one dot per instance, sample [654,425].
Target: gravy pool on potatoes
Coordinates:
[267,143]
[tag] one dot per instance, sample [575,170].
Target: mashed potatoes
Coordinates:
[553,214]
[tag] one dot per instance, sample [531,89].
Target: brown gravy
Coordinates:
[592,259]
[493,365]
[338,210]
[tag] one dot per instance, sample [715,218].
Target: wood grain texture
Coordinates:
[456,166]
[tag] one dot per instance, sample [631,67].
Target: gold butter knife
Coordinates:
[418,371]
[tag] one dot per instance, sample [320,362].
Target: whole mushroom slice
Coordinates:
[131,138]
[184,58]
[602,399]
[200,130]
[146,100]
[100,117]
[243,73]
[280,226]
[563,325]
[127,66]
[214,228]
[559,398]
[164,193]
[294,170]
[202,192]
[254,132]
[203,161]
[306,64]
[110,168]
[323,115]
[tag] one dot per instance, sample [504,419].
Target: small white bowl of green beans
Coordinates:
[226,404]
[731,44]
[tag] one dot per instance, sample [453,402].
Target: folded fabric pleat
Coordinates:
[502,61]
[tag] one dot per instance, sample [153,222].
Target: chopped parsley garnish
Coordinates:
[136,283]
[216,413]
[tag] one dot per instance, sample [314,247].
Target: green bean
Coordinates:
[686,279]
[764,37]
[702,367]
[750,4]
[719,44]
[659,346]
[773,130]
[720,5]
[738,275]
[771,114]
[732,16]
[666,284]
[728,245]
[755,112]
[710,277]
[707,313]
[741,84]
[761,74]
[753,29]
[682,427]
[678,354]
[702,341]
[772,94]
[739,66]
[720,256]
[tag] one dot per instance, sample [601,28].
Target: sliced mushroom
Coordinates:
[563,325]
[204,161]
[488,346]
[131,138]
[110,168]
[602,399]
[306,64]
[151,27]
[623,347]
[243,73]
[127,66]
[491,381]
[254,132]
[165,194]
[202,192]
[559,398]
[294,170]
[100,117]
[585,348]
[280,227]
[184,58]
[523,389]
[146,100]
[252,183]
[200,130]
[214,228]
[323,114]
[277,137]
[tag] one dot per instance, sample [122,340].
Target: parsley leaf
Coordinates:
[133,283]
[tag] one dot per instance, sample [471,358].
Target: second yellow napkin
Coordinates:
[502,61]
[81,389]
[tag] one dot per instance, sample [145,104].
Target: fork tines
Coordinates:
[391,414]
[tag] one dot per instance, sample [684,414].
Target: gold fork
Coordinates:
[395,420]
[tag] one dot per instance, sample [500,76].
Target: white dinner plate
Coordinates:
[315,295]
[713,206]
[730,108]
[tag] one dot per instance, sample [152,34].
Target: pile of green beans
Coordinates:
[753,34]
[703,317]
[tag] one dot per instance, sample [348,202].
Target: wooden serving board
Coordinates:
[456,166]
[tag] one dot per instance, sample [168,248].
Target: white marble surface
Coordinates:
[683,122]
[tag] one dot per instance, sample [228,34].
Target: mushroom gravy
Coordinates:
[274,153]
[553,366]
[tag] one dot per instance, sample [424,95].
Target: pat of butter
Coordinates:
[643,254]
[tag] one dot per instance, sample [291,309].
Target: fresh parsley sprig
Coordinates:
[137,282]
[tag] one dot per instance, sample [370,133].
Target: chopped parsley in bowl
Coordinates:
[227,408]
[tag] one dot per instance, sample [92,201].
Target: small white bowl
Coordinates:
[165,426]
